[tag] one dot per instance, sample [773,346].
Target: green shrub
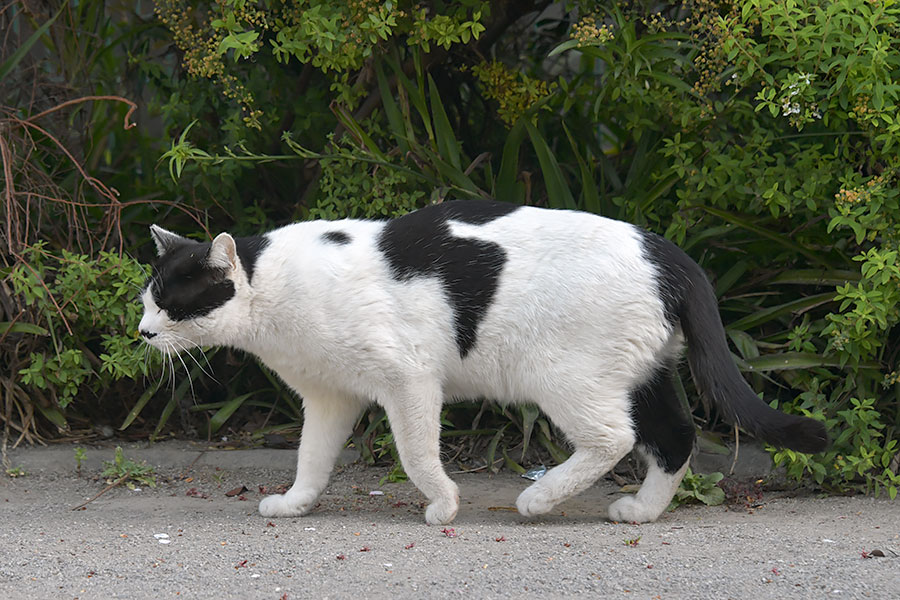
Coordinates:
[759,135]
[88,312]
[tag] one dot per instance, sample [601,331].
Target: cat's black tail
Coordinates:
[689,297]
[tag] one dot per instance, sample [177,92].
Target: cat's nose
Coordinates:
[148,335]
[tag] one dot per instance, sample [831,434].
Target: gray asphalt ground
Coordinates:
[359,545]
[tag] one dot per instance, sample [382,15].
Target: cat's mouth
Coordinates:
[173,348]
[167,342]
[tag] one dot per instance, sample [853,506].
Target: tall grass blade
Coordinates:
[224,413]
[447,145]
[557,190]
[508,189]
[392,110]
[10,63]
[775,312]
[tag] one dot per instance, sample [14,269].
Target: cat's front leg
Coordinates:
[414,415]
[327,422]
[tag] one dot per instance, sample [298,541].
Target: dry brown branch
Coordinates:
[104,490]
[127,125]
[12,229]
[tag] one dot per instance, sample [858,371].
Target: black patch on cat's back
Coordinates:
[420,244]
[673,267]
[336,237]
[249,249]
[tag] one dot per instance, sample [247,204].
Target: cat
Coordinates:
[581,315]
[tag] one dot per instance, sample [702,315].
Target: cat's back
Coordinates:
[305,237]
[411,240]
[527,229]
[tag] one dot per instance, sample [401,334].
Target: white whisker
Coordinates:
[186,370]
[189,350]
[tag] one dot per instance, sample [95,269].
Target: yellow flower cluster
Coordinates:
[589,33]
[862,110]
[704,25]
[201,57]
[515,92]
[706,28]
[860,194]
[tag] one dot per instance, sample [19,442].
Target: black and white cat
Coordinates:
[581,315]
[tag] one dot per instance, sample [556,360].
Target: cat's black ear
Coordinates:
[222,253]
[165,240]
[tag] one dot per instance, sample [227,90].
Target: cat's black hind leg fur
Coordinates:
[665,436]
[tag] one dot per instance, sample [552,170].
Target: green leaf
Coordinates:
[567,45]
[52,414]
[559,455]
[416,96]
[512,465]
[783,240]
[821,277]
[177,395]
[224,413]
[392,110]
[589,189]
[10,63]
[507,188]
[359,133]
[557,190]
[788,361]
[139,406]
[745,344]
[7,327]
[447,145]
[775,312]
[529,413]
[491,450]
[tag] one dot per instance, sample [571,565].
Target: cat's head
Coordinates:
[193,297]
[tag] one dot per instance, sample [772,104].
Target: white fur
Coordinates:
[575,324]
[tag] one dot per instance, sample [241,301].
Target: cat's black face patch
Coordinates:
[420,244]
[336,237]
[185,287]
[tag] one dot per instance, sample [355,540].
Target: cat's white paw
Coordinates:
[291,504]
[534,501]
[442,511]
[631,510]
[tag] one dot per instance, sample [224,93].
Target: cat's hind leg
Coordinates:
[665,438]
[598,425]
[414,413]
[327,422]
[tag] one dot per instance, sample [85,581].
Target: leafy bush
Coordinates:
[75,172]
[759,135]
[756,134]
[73,293]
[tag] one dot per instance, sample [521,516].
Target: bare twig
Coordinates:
[191,466]
[104,490]
[131,109]
[737,449]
